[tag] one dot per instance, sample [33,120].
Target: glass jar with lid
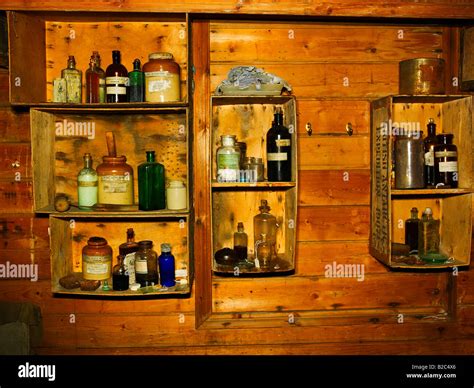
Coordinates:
[115,181]
[446,161]
[162,78]
[146,267]
[96,259]
[228,160]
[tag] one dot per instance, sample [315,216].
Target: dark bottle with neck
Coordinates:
[151,184]
[116,80]
[137,83]
[411,230]
[130,246]
[279,151]
[429,144]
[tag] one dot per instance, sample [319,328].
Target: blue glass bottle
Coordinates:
[166,265]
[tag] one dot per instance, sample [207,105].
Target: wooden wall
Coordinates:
[335,69]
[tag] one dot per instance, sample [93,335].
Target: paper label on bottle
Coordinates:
[141,267]
[162,86]
[129,262]
[277,156]
[115,183]
[117,81]
[116,90]
[429,158]
[228,161]
[73,88]
[181,273]
[446,154]
[283,142]
[163,73]
[96,266]
[87,183]
[448,166]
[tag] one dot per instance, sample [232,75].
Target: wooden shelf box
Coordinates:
[390,208]
[249,118]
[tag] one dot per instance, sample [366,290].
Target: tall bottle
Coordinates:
[166,265]
[278,151]
[241,243]
[446,161]
[116,80]
[146,270]
[429,144]
[429,238]
[128,250]
[412,225]
[137,83]
[265,224]
[95,80]
[228,160]
[151,184]
[73,79]
[87,183]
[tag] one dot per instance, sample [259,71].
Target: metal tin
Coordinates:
[409,162]
[422,76]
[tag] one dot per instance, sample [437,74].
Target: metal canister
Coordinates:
[409,161]
[422,76]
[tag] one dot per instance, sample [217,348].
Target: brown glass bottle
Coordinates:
[146,265]
[128,250]
[429,144]
[95,80]
[446,161]
[411,230]
[116,80]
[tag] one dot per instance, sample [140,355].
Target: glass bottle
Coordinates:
[146,272]
[446,161]
[263,252]
[412,225]
[429,144]
[120,275]
[151,184]
[73,79]
[278,151]
[128,250]
[241,243]
[265,224]
[116,80]
[228,160]
[167,266]
[87,182]
[429,238]
[137,83]
[95,80]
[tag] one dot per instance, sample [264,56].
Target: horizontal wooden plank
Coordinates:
[16,197]
[321,293]
[59,331]
[391,8]
[333,223]
[14,125]
[333,116]
[333,153]
[283,42]
[39,258]
[15,163]
[465,287]
[4,87]
[24,232]
[335,187]
[312,258]
[328,80]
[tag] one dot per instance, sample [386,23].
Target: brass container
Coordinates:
[421,76]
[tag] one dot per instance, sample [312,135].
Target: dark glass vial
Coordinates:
[146,271]
[429,144]
[411,231]
[151,184]
[116,80]
[278,151]
[120,276]
[167,266]
[446,161]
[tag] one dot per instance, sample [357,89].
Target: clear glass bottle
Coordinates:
[446,161]
[429,144]
[228,160]
[151,184]
[128,250]
[137,83]
[73,79]
[120,275]
[429,238]
[412,225]
[167,266]
[265,224]
[278,150]
[87,184]
[146,271]
[263,252]
[241,243]
[116,80]
[95,80]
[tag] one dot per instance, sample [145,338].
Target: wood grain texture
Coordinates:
[389,9]
[15,162]
[16,197]
[14,125]
[4,86]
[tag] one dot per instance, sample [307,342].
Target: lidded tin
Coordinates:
[421,76]
[96,259]
[409,161]
[162,78]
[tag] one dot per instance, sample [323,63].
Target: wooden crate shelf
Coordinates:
[69,235]
[390,207]
[249,118]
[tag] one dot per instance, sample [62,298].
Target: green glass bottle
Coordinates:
[137,83]
[151,184]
